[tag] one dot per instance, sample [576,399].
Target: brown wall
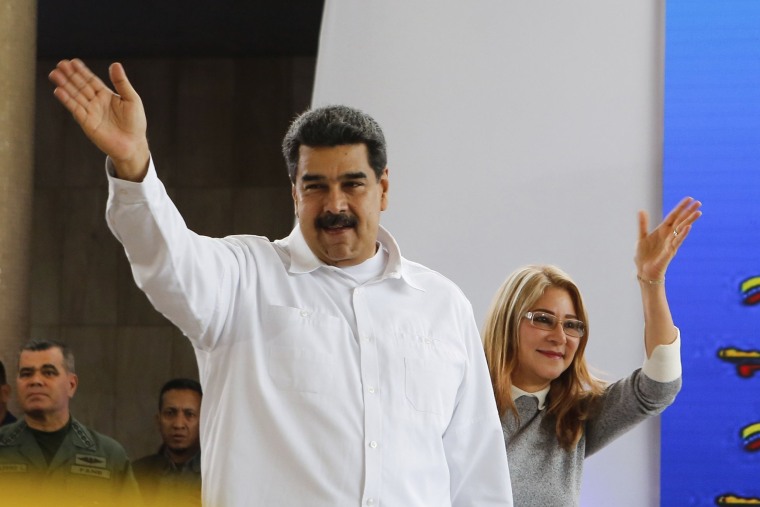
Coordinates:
[215,127]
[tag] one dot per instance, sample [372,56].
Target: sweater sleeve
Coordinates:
[625,404]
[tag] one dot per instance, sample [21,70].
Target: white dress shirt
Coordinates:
[322,387]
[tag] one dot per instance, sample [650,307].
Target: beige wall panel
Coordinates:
[43,332]
[302,82]
[144,364]
[45,277]
[205,130]
[83,165]
[264,93]
[207,211]
[96,361]
[156,80]
[89,257]
[51,121]
[264,211]
[184,363]
[134,308]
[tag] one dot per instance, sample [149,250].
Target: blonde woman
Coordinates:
[554,412]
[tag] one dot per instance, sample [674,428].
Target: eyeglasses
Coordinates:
[542,320]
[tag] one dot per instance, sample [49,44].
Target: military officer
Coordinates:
[48,455]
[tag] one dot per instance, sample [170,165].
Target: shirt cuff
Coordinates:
[132,191]
[665,363]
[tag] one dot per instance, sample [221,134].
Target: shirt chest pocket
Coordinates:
[431,384]
[300,349]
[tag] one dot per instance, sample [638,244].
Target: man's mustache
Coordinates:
[332,220]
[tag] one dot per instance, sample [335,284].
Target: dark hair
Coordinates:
[3,378]
[40,345]
[178,384]
[334,126]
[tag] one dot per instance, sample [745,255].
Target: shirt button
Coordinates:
[304,313]
[371,390]
[370,501]
[373,444]
[357,292]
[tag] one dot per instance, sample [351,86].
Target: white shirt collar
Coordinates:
[516,392]
[303,260]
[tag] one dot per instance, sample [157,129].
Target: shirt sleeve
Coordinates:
[665,363]
[474,442]
[187,277]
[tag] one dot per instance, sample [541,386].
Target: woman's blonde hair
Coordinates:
[572,393]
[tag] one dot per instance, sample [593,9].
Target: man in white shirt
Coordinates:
[335,372]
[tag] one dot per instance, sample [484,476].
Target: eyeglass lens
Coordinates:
[571,327]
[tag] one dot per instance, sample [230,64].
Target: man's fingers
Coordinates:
[78,111]
[77,87]
[87,84]
[121,83]
[64,98]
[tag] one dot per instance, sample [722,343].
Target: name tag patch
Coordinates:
[91,472]
[87,460]
[11,467]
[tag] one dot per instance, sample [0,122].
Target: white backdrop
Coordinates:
[519,132]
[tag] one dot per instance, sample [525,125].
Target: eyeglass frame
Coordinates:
[558,321]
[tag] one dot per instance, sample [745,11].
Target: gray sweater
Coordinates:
[543,473]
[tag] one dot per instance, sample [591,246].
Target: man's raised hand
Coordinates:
[114,122]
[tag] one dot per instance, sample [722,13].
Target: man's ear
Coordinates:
[73,384]
[385,184]
[295,199]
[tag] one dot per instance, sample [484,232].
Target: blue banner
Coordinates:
[711,435]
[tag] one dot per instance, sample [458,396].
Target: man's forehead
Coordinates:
[333,161]
[50,357]
[342,176]
[355,148]
[180,397]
